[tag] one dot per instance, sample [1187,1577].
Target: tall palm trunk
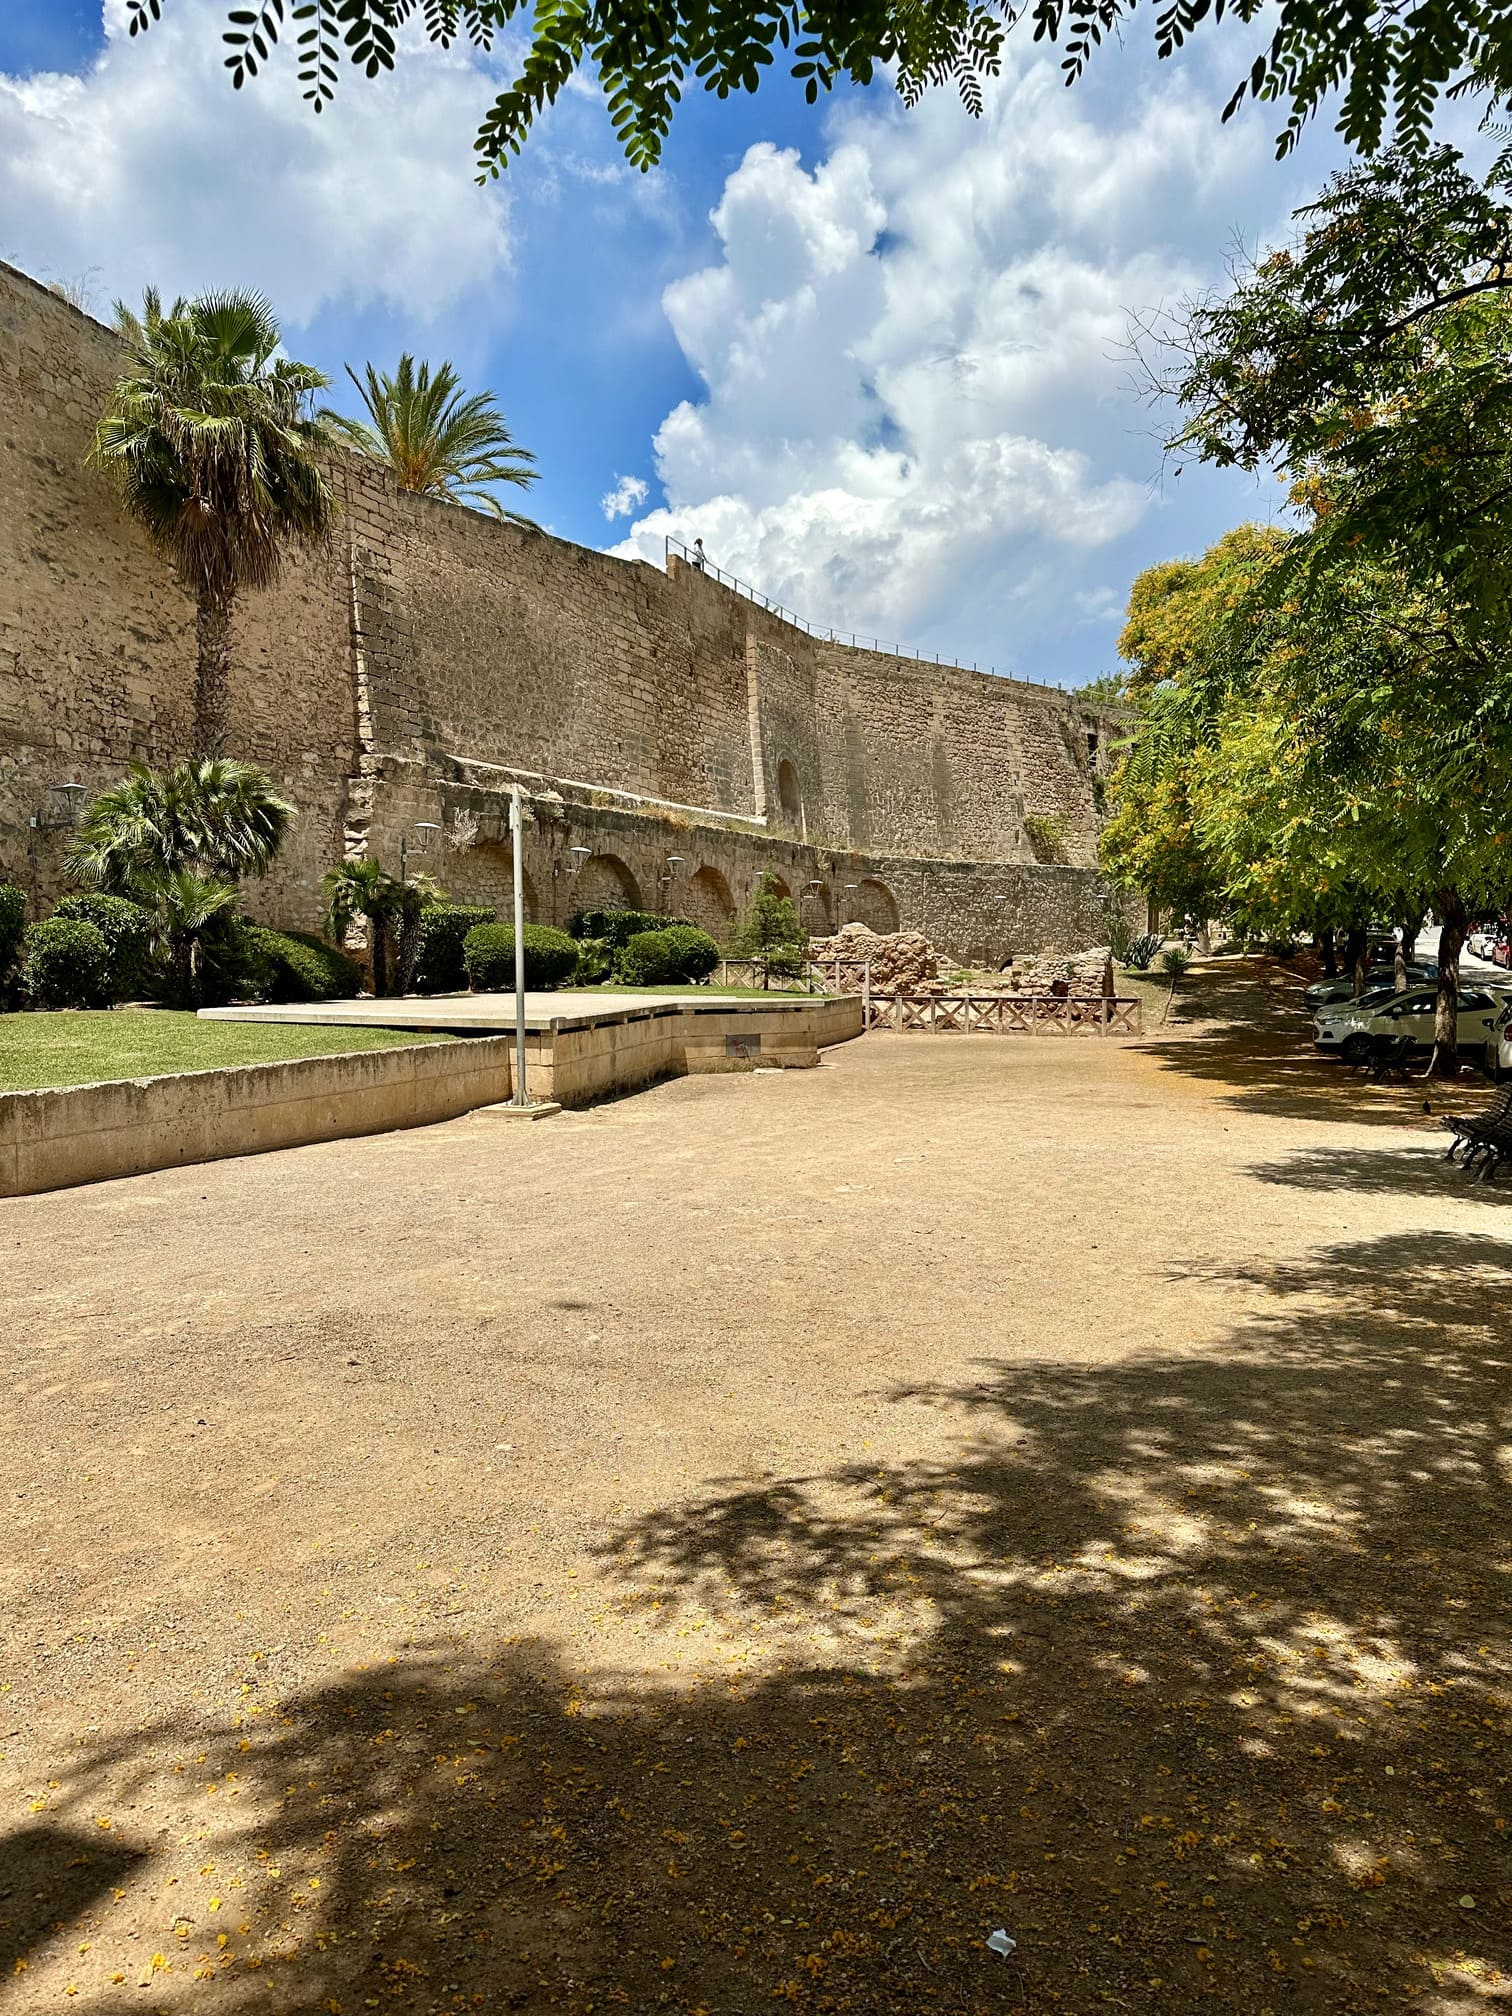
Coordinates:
[1454,924]
[212,673]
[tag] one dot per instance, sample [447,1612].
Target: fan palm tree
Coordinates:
[363,889]
[186,910]
[219,818]
[435,439]
[210,440]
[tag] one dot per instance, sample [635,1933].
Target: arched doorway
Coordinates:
[605,883]
[707,902]
[875,906]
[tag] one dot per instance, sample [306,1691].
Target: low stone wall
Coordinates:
[85,1133]
[617,1053]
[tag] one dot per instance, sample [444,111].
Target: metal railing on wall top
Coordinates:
[825,634]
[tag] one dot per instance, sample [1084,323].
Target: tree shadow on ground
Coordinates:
[1190,1670]
[1247,1030]
[1421,1170]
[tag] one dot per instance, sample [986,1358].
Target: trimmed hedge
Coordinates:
[65,963]
[12,924]
[127,931]
[679,953]
[488,951]
[618,927]
[302,967]
[439,966]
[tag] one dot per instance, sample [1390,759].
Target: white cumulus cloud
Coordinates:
[148,167]
[628,494]
[916,419]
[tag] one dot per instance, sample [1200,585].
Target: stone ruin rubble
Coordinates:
[904,962]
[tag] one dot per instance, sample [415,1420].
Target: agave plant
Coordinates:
[213,449]
[221,817]
[437,441]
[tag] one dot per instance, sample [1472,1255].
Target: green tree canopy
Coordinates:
[1390,66]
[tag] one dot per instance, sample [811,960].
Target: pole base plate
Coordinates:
[542,1109]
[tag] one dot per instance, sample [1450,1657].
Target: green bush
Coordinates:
[661,958]
[488,952]
[439,968]
[127,930]
[302,967]
[595,962]
[12,924]
[618,927]
[65,963]
[1049,836]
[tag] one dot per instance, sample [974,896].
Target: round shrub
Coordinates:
[12,924]
[127,931]
[617,927]
[65,963]
[439,967]
[488,954]
[662,958]
[301,967]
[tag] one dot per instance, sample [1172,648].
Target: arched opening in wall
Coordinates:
[875,906]
[816,912]
[779,888]
[789,795]
[485,874]
[605,883]
[707,902]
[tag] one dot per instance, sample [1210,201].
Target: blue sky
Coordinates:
[875,357]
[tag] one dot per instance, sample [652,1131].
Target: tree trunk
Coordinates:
[1356,951]
[409,949]
[212,674]
[378,944]
[1412,923]
[1325,939]
[1444,1062]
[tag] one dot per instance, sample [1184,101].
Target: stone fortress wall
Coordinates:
[430,657]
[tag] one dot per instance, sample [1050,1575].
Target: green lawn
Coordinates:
[84,1047]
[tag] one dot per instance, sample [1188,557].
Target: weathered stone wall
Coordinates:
[97,637]
[428,655]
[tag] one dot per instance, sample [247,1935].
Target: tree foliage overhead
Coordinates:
[1389,62]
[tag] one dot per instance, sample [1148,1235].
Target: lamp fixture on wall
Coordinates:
[580,859]
[63,814]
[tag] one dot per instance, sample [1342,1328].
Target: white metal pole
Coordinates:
[517,830]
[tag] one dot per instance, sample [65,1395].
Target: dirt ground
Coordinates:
[737,1547]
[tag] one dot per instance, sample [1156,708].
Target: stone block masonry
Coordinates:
[428,656]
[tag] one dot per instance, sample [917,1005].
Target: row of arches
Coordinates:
[607,882]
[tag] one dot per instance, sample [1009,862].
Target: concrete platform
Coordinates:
[584,1046]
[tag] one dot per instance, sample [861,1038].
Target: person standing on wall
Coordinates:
[698,555]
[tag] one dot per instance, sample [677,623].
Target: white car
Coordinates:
[1347,1028]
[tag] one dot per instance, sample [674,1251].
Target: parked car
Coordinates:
[1482,943]
[1346,1028]
[1420,973]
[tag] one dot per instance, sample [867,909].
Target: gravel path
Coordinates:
[738,1546]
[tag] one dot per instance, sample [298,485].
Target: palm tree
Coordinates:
[363,889]
[436,440]
[209,437]
[221,817]
[187,910]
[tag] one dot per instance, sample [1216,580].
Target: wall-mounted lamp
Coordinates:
[63,814]
[579,861]
[425,828]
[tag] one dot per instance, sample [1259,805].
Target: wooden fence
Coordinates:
[1006,1014]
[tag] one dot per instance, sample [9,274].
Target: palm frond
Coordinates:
[436,439]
